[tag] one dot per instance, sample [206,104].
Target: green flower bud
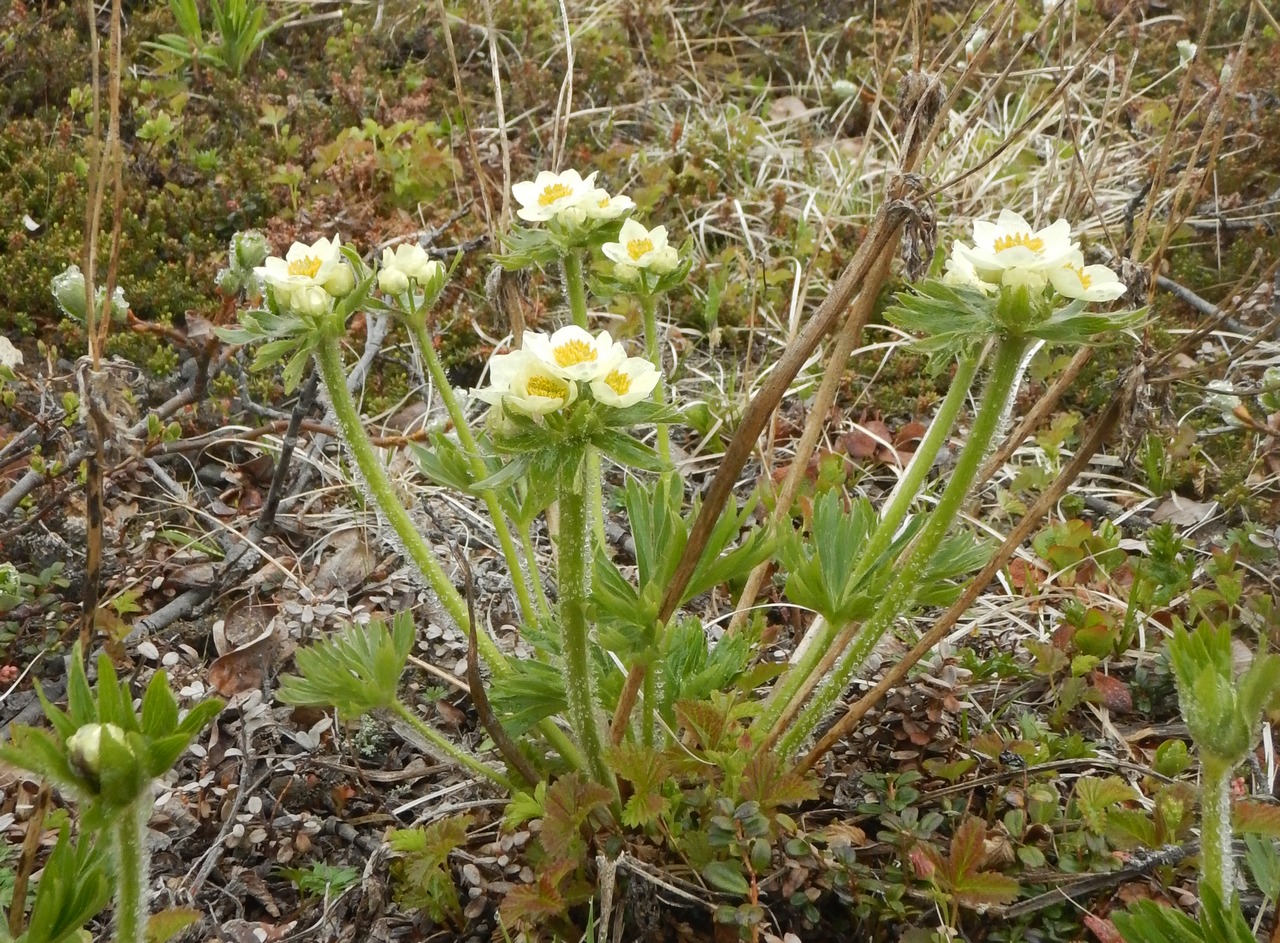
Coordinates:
[68,291]
[340,281]
[249,249]
[84,748]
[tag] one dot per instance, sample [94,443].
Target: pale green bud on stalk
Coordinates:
[68,291]
[84,747]
[310,301]
[340,281]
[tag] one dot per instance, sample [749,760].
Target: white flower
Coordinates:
[408,261]
[600,205]
[10,356]
[549,194]
[1074,279]
[960,273]
[626,384]
[521,382]
[306,267]
[573,354]
[1011,242]
[1186,51]
[640,248]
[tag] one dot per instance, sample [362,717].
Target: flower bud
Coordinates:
[393,281]
[340,281]
[625,273]
[249,249]
[68,291]
[84,747]
[309,301]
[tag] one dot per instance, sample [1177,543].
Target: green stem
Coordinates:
[575,287]
[422,340]
[328,355]
[647,709]
[132,871]
[525,531]
[572,585]
[1001,386]
[653,353]
[458,755]
[891,518]
[1217,866]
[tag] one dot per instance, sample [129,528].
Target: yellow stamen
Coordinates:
[549,387]
[619,382]
[574,352]
[1085,280]
[636,248]
[604,203]
[1024,239]
[308,265]
[552,192]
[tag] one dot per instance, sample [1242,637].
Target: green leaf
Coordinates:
[727,877]
[570,802]
[356,671]
[163,926]
[1094,798]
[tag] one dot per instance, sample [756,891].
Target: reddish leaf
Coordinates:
[570,802]
[1103,929]
[1258,818]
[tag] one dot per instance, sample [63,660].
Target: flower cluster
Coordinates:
[408,265]
[549,372]
[567,198]
[1012,253]
[571,202]
[309,277]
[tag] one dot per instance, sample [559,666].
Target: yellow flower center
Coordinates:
[574,352]
[604,204]
[1024,239]
[636,248]
[552,192]
[308,265]
[619,382]
[549,387]
[1085,280]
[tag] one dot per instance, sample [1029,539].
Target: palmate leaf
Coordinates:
[356,671]
[1148,922]
[530,691]
[960,875]
[950,320]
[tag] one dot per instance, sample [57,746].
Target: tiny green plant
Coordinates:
[240,27]
[108,756]
[320,880]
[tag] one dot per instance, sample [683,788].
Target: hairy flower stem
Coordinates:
[426,349]
[653,353]
[328,355]
[797,720]
[575,287]
[1217,866]
[525,531]
[894,513]
[133,867]
[458,755]
[572,586]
